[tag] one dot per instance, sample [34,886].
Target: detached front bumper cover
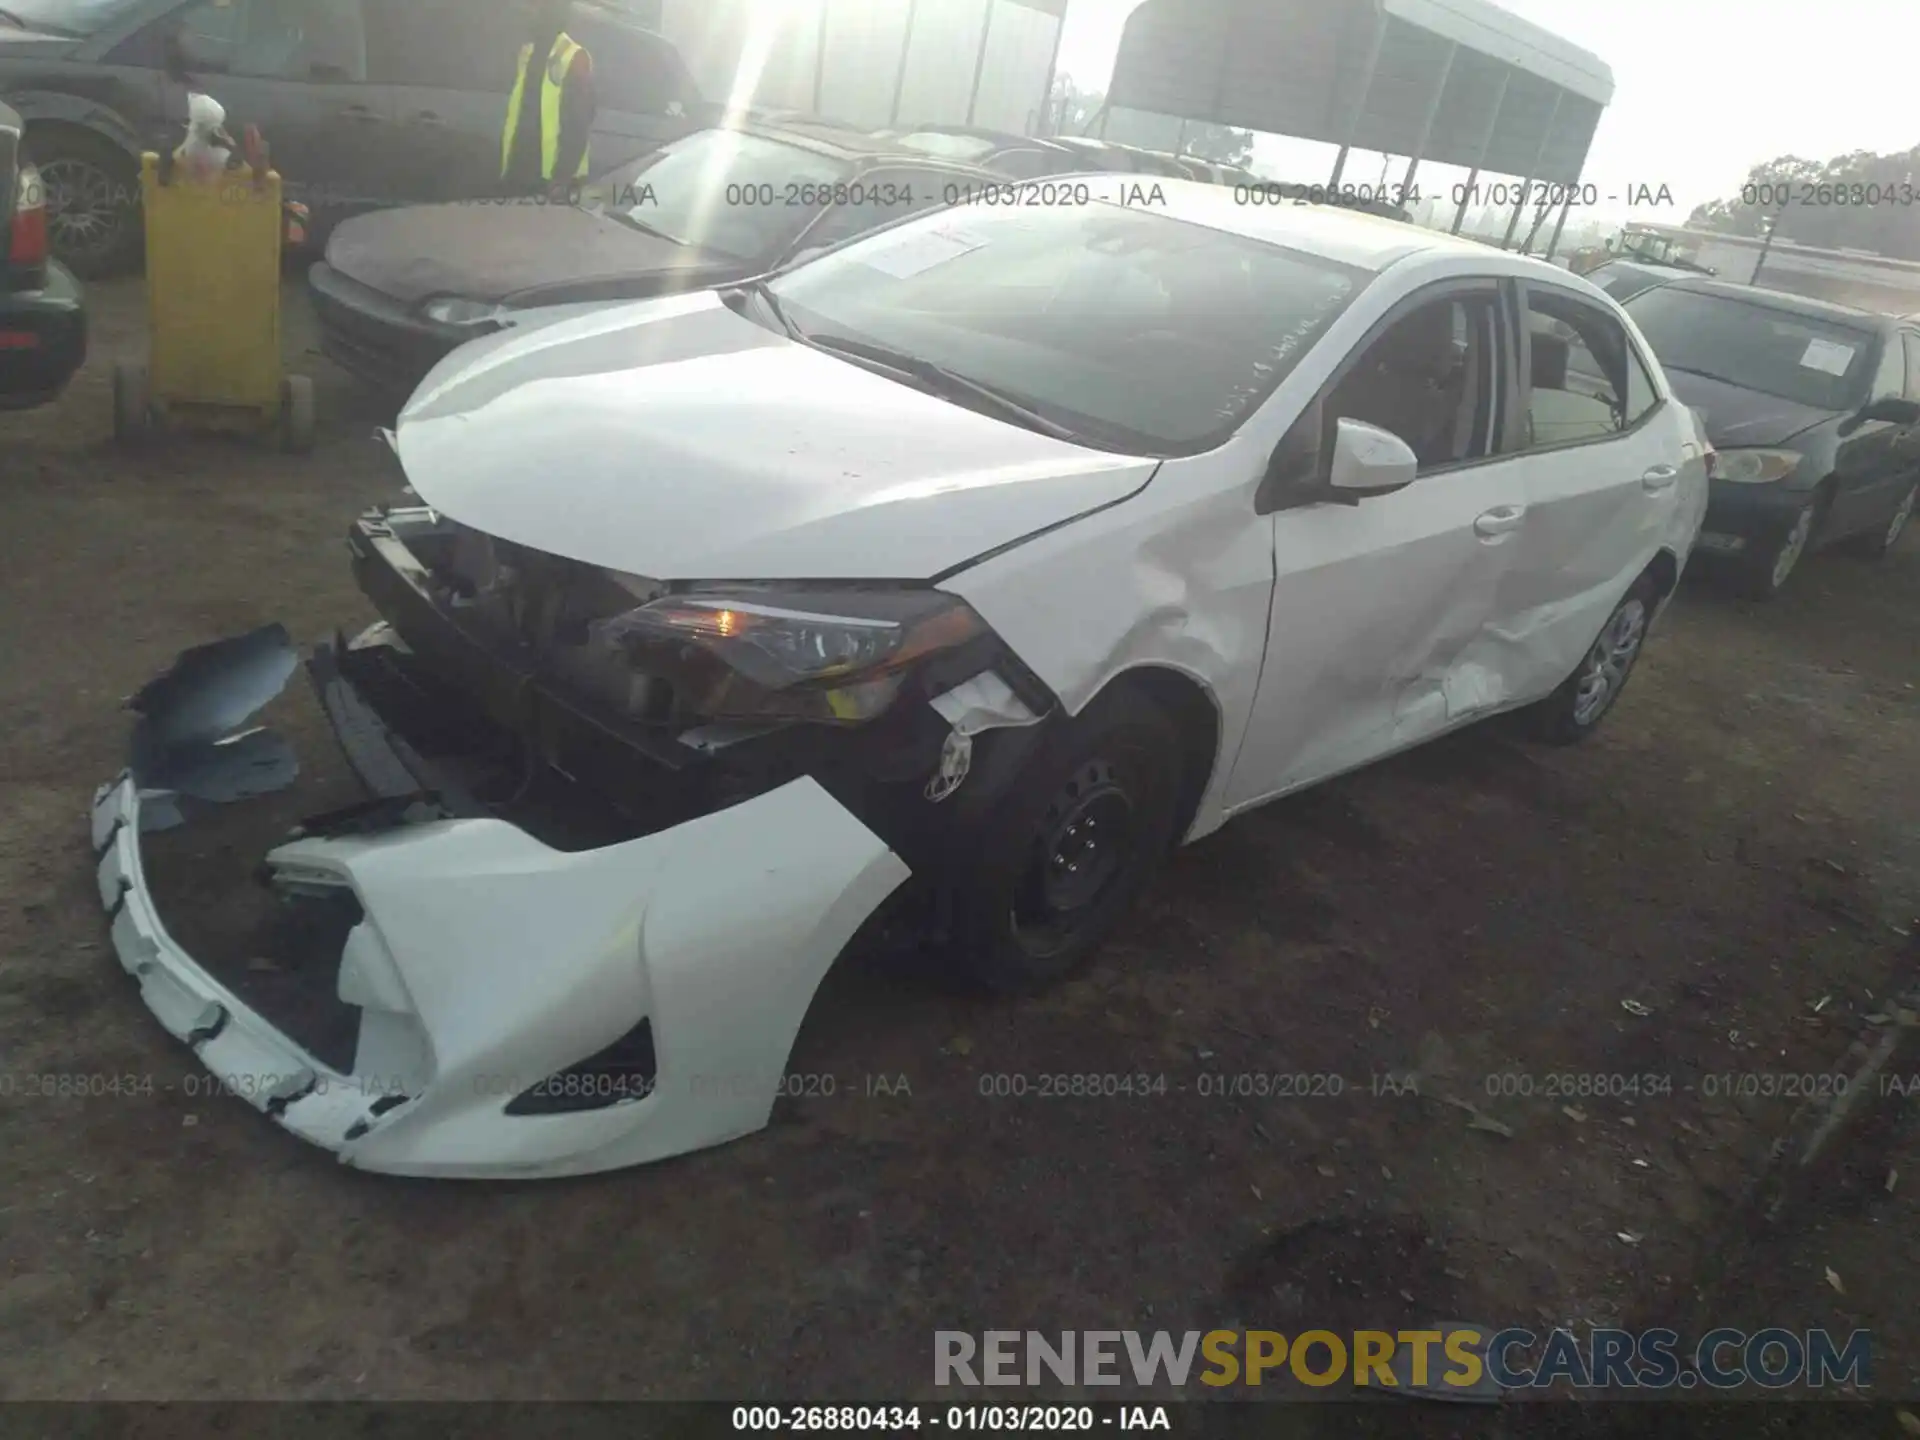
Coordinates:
[485,964]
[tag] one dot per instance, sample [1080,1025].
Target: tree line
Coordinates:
[1859,201]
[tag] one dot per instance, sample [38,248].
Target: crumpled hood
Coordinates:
[675,439]
[515,251]
[1735,417]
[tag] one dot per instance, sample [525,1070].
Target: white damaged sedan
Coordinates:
[968,568]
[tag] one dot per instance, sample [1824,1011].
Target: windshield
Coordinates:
[65,17]
[1777,352]
[951,147]
[742,195]
[1133,330]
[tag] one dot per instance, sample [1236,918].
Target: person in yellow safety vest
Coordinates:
[543,147]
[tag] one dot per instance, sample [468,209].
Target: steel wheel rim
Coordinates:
[81,215]
[1605,669]
[1080,848]
[1901,516]
[1792,547]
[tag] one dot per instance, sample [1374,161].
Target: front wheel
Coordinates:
[1766,574]
[1077,838]
[1575,710]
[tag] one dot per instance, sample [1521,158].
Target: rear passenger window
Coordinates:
[445,44]
[633,71]
[1585,381]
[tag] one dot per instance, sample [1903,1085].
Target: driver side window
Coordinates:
[1429,379]
[276,39]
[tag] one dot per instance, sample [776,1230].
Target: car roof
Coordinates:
[1784,300]
[828,137]
[1349,237]
[1006,139]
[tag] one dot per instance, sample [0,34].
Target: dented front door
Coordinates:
[1374,606]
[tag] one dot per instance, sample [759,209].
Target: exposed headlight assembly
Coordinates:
[1754,467]
[837,656]
[458,310]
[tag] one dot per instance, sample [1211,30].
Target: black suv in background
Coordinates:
[364,102]
[43,328]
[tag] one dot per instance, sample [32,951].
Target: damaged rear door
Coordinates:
[1380,609]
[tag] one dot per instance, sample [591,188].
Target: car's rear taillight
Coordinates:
[28,247]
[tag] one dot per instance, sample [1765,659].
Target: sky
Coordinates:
[1703,89]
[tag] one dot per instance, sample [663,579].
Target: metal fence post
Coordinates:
[1486,144]
[1366,85]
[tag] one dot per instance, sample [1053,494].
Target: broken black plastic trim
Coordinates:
[188,740]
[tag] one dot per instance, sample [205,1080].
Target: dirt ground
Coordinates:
[1737,855]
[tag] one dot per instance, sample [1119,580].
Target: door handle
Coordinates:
[1501,520]
[1660,477]
[428,119]
[360,114]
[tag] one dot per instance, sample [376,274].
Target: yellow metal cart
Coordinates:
[213,313]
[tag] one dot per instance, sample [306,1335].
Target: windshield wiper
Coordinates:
[627,217]
[764,292]
[1707,375]
[945,382]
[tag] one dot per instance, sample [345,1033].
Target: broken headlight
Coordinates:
[837,656]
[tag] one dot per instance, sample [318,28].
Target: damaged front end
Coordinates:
[605,838]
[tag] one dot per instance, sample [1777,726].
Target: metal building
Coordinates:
[1459,82]
[875,63]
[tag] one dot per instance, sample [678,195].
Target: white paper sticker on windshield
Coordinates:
[911,254]
[1827,357]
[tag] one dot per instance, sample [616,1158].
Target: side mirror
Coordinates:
[1369,461]
[1360,461]
[1893,410]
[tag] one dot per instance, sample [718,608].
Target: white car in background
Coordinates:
[997,552]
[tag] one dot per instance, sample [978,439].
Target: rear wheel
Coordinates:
[93,200]
[1575,710]
[1079,835]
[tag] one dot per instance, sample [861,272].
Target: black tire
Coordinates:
[1022,915]
[1878,544]
[93,200]
[1575,710]
[1764,574]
